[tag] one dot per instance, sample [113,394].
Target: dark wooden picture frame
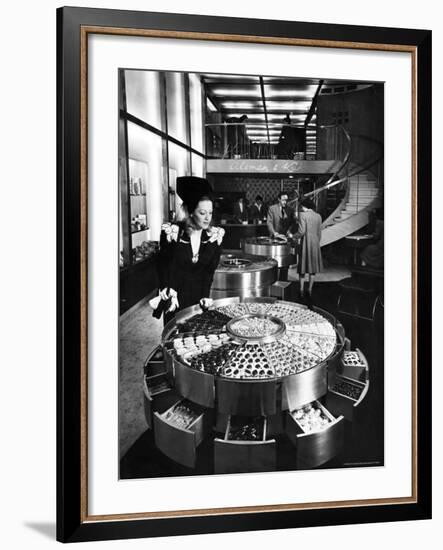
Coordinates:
[73,520]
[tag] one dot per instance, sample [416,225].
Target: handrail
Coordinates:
[337,182]
[360,169]
[331,182]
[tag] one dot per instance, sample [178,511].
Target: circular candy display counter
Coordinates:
[248,373]
[244,275]
[279,249]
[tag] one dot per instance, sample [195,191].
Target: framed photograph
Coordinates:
[244,268]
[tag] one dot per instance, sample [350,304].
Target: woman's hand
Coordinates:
[174,300]
[170,293]
[206,303]
[279,237]
[174,304]
[164,294]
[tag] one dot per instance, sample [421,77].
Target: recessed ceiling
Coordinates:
[267,100]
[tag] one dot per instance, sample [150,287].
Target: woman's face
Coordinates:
[202,215]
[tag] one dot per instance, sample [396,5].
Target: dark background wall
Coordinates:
[250,186]
[362,114]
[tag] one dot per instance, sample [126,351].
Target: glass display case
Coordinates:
[160,138]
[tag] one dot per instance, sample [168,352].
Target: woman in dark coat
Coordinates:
[309,229]
[190,250]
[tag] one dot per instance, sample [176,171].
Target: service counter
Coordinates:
[236,232]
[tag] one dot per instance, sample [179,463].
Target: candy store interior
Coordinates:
[281,366]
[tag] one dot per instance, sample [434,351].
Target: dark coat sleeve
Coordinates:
[166,261]
[209,273]
[163,263]
[293,226]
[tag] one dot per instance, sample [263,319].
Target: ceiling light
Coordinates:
[286,91]
[288,105]
[239,104]
[251,91]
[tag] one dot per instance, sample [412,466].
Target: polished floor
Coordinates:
[140,333]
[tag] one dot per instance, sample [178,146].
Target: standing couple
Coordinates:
[282,223]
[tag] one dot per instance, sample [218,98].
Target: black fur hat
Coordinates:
[191,189]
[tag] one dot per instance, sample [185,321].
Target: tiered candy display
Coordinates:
[202,343]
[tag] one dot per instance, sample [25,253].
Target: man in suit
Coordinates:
[240,211]
[292,139]
[257,212]
[281,220]
[281,223]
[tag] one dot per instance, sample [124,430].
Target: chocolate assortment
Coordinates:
[254,326]
[182,415]
[188,345]
[311,418]
[206,321]
[251,431]
[248,361]
[347,389]
[319,346]
[212,362]
[284,310]
[260,308]
[352,359]
[234,310]
[286,359]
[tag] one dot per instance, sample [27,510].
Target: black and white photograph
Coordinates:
[251,273]
[217,292]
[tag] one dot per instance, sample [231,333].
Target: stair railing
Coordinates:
[358,171]
[331,182]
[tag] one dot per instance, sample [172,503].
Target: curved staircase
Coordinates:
[354,186]
[362,196]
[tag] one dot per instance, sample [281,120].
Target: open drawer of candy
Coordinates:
[316,434]
[345,396]
[157,384]
[155,362]
[158,395]
[179,430]
[245,446]
[353,365]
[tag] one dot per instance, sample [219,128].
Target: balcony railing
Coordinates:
[232,140]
